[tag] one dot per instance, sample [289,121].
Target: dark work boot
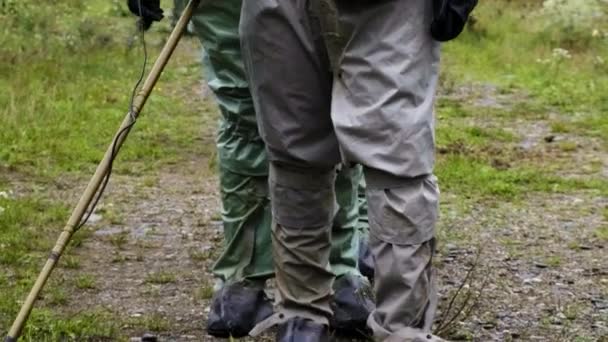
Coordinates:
[302,330]
[366,260]
[352,304]
[237,308]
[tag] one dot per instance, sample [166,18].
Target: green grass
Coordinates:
[66,91]
[28,229]
[160,278]
[602,233]
[205,292]
[85,282]
[512,46]
[478,158]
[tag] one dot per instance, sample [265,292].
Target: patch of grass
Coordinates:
[57,296]
[85,282]
[574,245]
[119,240]
[217,216]
[118,258]
[71,262]
[572,311]
[568,146]
[200,255]
[160,278]
[58,120]
[205,292]
[553,261]
[474,178]
[561,127]
[150,181]
[448,108]
[111,214]
[95,325]
[512,46]
[602,233]
[155,323]
[28,229]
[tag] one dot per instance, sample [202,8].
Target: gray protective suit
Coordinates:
[376,109]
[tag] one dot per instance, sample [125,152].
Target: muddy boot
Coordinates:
[237,308]
[366,260]
[302,330]
[352,303]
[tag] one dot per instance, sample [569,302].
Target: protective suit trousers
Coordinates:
[372,105]
[243,165]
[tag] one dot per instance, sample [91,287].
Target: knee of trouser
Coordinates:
[402,210]
[302,197]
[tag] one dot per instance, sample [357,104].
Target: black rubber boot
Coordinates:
[352,304]
[366,260]
[302,330]
[237,308]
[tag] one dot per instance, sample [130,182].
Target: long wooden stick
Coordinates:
[102,169]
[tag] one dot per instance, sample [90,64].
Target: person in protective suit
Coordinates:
[347,81]
[246,262]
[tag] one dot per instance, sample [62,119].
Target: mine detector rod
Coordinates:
[102,169]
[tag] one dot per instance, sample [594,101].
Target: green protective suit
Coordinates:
[243,165]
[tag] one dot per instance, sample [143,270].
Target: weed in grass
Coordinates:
[119,240]
[118,258]
[584,339]
[217,216]
[57,296]
[79,237]
[572,311]
[155,323]
[71,262]
[568,146]
[574,245]
[85,282]
[140,256]
[95,325]
[561,127]
[200,255]
[448,108]
[110,213]
[150,181]
[205,292]
[553,261]
[160,278]
[602,233]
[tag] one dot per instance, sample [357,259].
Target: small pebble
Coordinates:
[488,325]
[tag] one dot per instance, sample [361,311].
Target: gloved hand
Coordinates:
[450,16]
[150,11]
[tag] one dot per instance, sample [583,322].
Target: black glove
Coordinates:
[450,16]
[150,11]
